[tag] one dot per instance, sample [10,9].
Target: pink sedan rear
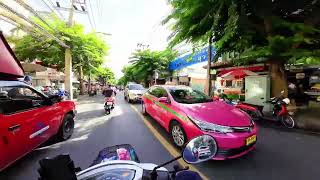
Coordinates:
[186,113]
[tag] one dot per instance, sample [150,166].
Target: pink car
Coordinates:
[186,113]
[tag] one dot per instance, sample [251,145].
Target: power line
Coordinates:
[45,32]
[92,14]
[92,22]
[98,5]
[58,13]
[20,25]
[27,7]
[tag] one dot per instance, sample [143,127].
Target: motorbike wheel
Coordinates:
[108,111]
[287,121]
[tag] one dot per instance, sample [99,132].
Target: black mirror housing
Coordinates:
[54,99]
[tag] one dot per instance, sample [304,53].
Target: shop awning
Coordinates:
[253,68]
[33,67]
[237,74]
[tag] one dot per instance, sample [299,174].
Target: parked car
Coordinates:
[204,151]
[28,117]
[186,113]
[133,92]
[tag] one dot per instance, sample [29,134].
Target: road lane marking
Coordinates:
[167,145]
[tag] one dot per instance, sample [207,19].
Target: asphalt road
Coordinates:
[280,154]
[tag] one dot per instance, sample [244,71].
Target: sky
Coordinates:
[128,21]
[131,22]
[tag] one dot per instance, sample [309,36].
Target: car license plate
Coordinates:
[251,139]
[109,103]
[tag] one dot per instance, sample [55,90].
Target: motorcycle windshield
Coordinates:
[118,152]
[121,173]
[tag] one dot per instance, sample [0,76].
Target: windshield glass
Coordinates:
[136,87]
[189,96]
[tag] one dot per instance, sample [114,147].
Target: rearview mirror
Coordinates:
[55,99]
[164,100]
[199,149]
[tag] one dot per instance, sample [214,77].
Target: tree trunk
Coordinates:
[209,67]
[81,80]
[278,78]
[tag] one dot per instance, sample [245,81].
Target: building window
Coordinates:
[228,83]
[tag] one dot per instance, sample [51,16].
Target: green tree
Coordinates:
[105,75]
[276,31]
[88,49]
[144,63]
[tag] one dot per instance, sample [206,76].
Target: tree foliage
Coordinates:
[88,49]
[105,75]
[144,63]
[282,30]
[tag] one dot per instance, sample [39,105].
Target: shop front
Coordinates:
[188,70]
[231,80]
[304,84]
[238,83]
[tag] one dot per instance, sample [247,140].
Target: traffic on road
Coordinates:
[175,90]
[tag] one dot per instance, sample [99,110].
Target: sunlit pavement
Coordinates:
[280,153]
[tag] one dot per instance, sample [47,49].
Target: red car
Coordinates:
[28,117]
[186,113]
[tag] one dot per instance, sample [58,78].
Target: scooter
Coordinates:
[109,104]
[92,92]
[121,162]
[279,111]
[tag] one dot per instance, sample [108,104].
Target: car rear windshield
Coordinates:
[136,87]
[189,96]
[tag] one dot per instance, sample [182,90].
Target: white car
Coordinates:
[133,92]
[204,151]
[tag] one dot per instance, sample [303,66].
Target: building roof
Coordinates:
[219,64]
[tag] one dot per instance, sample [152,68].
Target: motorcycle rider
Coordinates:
[108,92]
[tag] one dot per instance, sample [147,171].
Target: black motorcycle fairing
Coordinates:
[114,174]
[60,167]
[161,175]
[188,175]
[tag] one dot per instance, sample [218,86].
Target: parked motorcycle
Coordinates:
[92,92]
[279,111]
[121,162]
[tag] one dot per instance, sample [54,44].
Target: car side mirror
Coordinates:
[199,149]
[54,99]
[164,100]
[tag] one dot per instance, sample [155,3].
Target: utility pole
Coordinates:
[89,85]
[68,58]
[209,66]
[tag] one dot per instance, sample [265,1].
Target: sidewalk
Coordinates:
[308,118]
[85,99]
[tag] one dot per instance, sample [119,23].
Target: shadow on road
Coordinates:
[90,114]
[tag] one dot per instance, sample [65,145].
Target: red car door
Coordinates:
[162,107]
[149,102]
[25,123]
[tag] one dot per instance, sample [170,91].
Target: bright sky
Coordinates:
[129,21]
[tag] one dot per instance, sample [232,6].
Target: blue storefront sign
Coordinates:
[186,60]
